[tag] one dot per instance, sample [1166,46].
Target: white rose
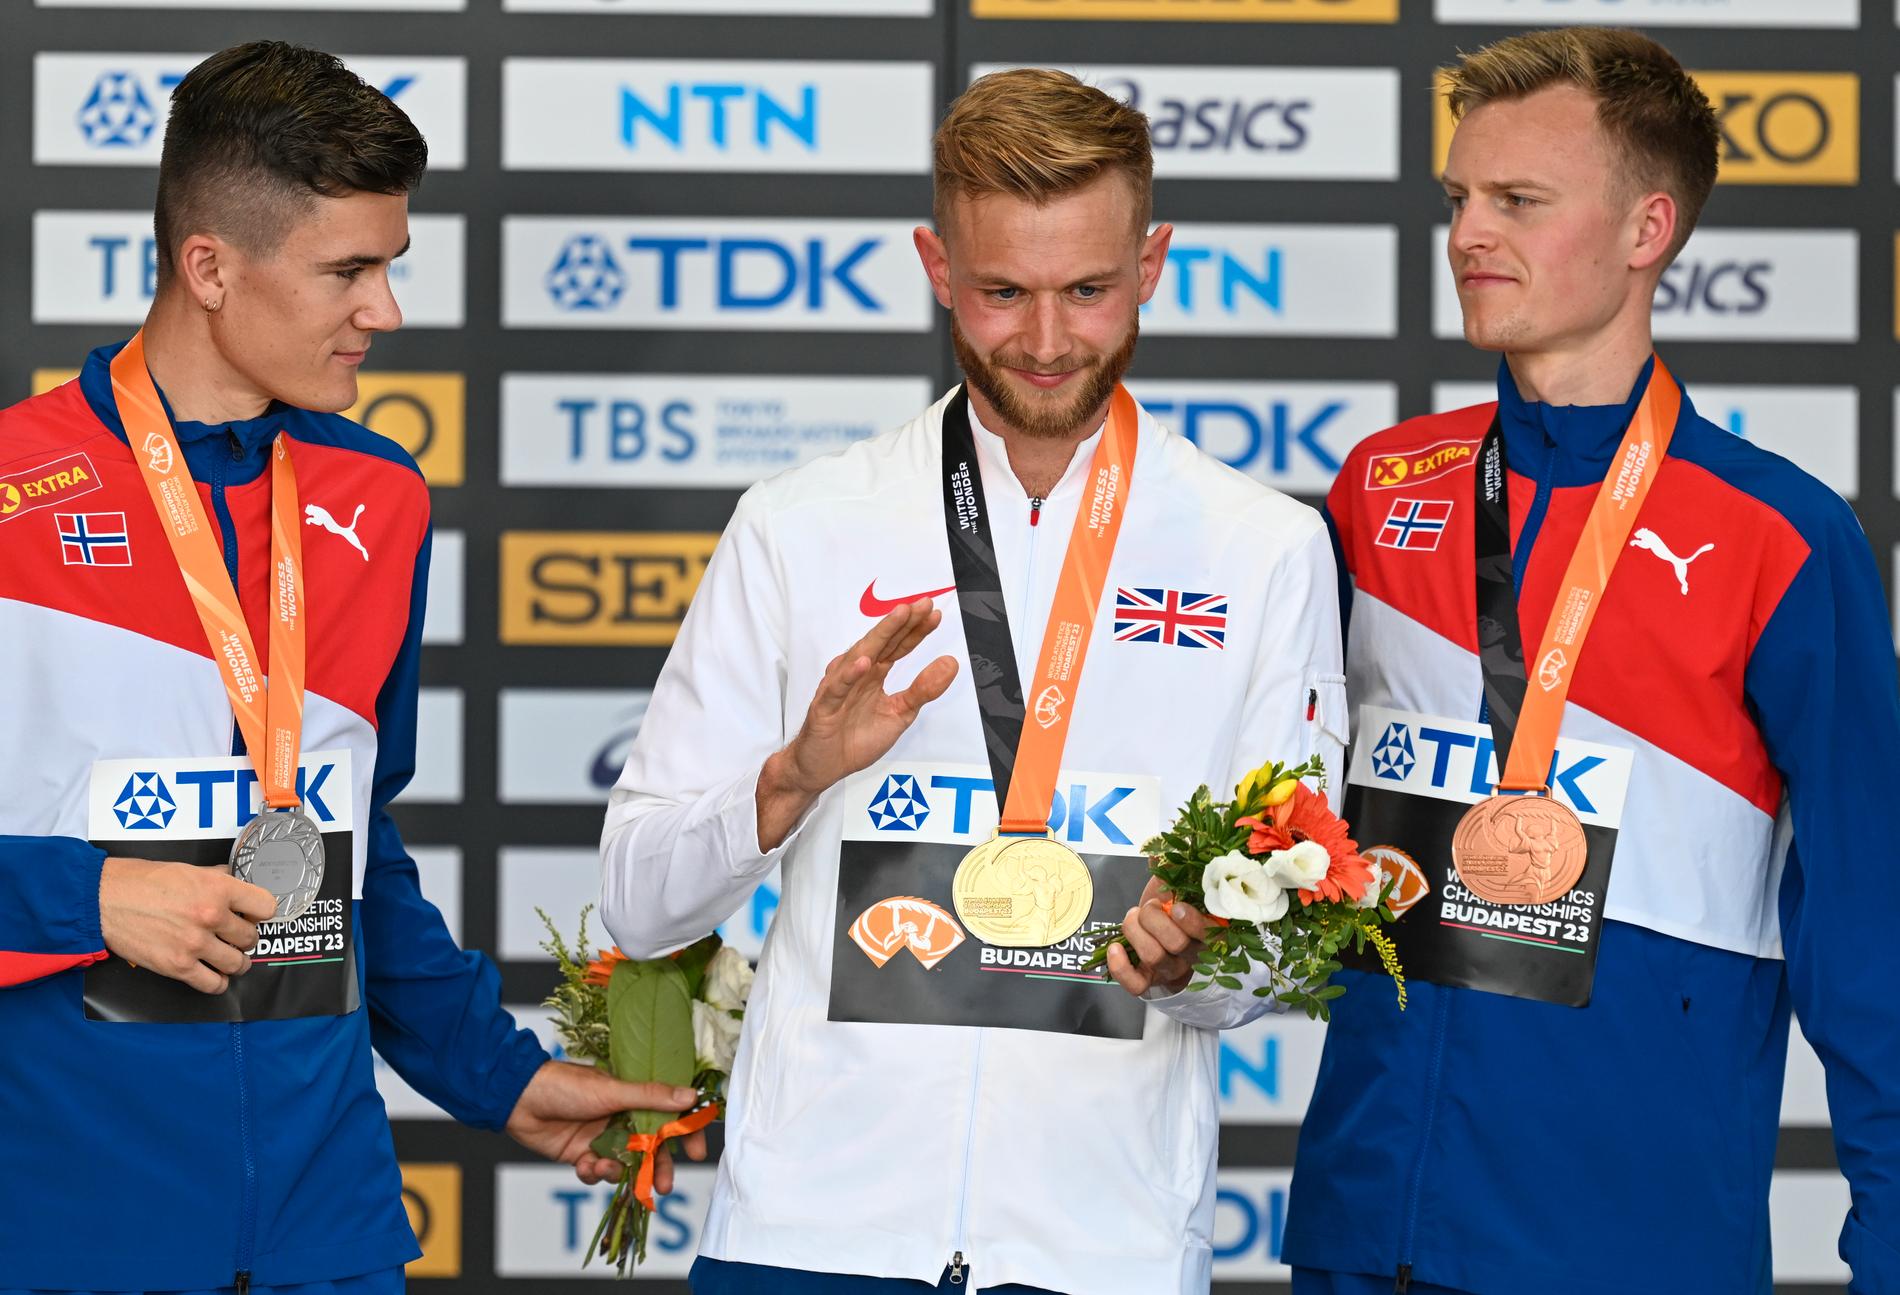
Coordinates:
[728,979]
[1302,867]
[1239,889]
[715,1038]
[1370,899]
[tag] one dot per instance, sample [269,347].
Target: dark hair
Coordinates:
[1651,109]
[259,132]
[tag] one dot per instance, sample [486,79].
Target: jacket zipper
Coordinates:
[247,1207]
[957,1261]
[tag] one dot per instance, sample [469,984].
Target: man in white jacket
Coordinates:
[930,1093]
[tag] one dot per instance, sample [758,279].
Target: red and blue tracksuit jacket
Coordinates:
[146,1156]
[1502,1146]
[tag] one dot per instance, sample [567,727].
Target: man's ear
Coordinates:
[1654,223]
[936,258]
[1154,259]
[202,265]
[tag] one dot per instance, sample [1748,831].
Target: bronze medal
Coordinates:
[1023,892]
[1519,850]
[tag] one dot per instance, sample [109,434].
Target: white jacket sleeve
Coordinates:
[680,850]
[1295,707]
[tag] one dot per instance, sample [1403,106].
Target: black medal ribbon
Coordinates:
[1500,637]
[980,602]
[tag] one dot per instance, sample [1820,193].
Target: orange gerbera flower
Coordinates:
[601,969]
[1307,817]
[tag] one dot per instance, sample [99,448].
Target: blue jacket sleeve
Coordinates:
[49,906]
[435,1009]
[1822,681]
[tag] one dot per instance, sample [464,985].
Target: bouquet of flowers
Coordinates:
[674,1020]
[1242,862]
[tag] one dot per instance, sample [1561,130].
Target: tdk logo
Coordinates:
[1206,278]
[1078,813]
[146,802]
[1394,758]
[585,276]
[714,112]
[1292,435]
[1691,287]
[117,113]
[900,805]
[748,273]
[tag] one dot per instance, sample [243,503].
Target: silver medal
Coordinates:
[282,851]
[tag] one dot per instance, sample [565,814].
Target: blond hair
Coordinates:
[1038,134]
[1654,113]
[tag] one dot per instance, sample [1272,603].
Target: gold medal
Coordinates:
[1519,850]
[1023,892]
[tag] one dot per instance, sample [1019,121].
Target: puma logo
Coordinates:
[1648,539]
[318,515]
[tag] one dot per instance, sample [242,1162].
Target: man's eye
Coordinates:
[350,275]
[1088,292]
[1004,294]
[1519,200]
[1455,201]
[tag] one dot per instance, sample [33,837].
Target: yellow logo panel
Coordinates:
[1777,127]
[599,588]
[432,1194]
[423,413]
[1194,10]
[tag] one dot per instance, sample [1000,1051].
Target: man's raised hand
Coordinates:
[852,721]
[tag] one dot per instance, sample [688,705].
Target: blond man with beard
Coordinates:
[1065,619]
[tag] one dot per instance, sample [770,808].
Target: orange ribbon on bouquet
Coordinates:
[649,1143]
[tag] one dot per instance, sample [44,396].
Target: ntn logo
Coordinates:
[1201,272]
[715,107]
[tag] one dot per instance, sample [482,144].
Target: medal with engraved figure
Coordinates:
[1519,850]
[1023,892]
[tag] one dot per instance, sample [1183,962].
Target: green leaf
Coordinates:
[1330,992]
[1227,982]
[651,1015]
[1199,984]
[692,962]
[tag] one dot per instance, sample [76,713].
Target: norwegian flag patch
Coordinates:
[93,540]
[1173,617]
[1415,524]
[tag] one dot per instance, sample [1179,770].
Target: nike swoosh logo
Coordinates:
[878,608]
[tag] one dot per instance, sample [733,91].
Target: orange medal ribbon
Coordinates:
[271,718]
[648,1143]
[1612,517]
[1065,640]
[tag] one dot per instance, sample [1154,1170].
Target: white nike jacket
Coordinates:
[1059,1159]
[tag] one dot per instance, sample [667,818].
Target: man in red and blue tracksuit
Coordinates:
[1740,668]
[186,1092]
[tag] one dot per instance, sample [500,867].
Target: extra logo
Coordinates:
[1415,525]
[905,922]
[1171,617]
[53,482]
[1394,757]
[1651,542]
[900,805]
[93,539]
[145,803]
[318,515]
[1389,471]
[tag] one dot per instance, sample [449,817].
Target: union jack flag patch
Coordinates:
[1414,524]
[1171,616]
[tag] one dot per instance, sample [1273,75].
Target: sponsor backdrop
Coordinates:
[664,251]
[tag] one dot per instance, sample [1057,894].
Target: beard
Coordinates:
[1045,416]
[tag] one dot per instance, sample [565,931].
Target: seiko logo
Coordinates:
[599,587]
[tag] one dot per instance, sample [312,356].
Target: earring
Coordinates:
[212,304]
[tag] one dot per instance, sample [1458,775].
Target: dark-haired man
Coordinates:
[1675,644]
[188,533]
